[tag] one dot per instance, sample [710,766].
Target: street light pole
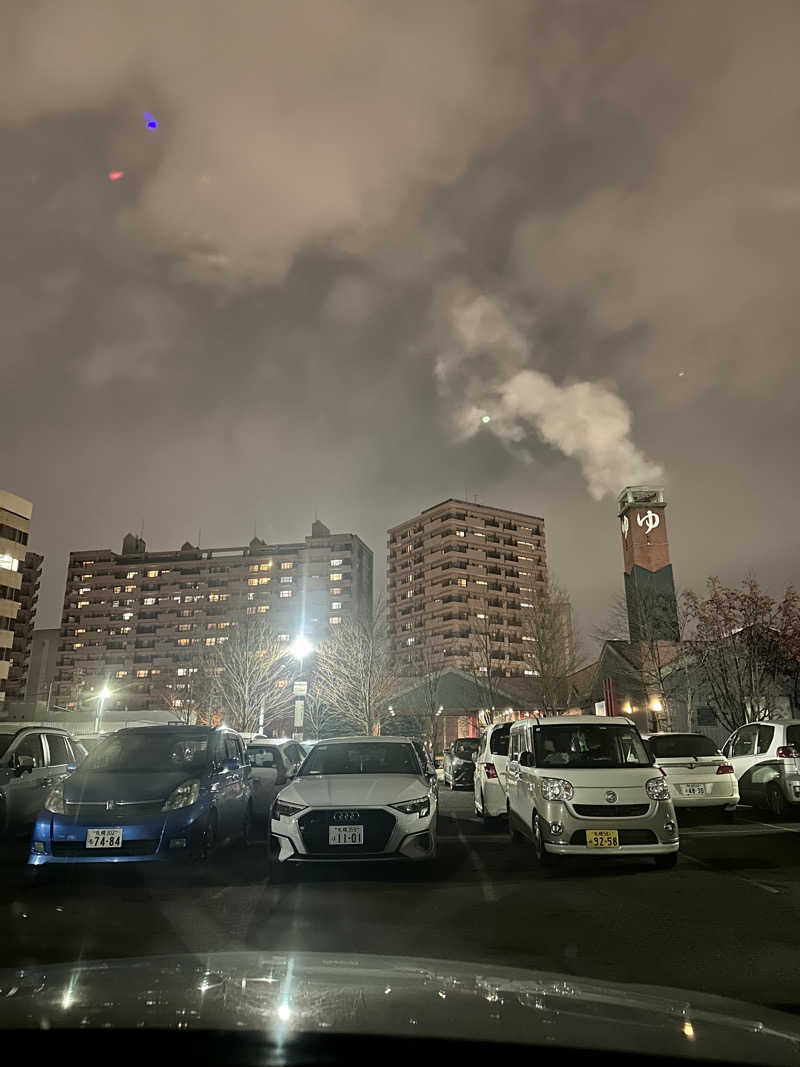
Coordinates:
[301,647]
[103,695]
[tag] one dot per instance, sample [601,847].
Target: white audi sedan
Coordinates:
[355,798]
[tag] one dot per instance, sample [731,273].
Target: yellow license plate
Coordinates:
[602,839]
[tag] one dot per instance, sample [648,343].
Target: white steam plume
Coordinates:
[484,373]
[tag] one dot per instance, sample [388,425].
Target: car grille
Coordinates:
[626,837]
[611,811]
[128,848]
[378,826]
[120,815]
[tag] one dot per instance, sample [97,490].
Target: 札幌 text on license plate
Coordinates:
[602,838]
[693,790]
[345,835]
[108,837]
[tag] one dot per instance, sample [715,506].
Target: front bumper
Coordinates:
[652,833]
[302,838]
[60,839]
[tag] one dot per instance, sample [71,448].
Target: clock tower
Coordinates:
[649,584]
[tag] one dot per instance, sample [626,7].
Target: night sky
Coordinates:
[357,228]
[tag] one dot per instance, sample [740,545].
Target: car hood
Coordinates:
[354,789]
[87,787]
[286,994]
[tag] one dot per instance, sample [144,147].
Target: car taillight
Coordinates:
[724,768]
[491,770]
[786,752]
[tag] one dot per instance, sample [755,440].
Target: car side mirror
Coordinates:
[23,763]
[474,757]
[526,759]
[71,767]
[229,765]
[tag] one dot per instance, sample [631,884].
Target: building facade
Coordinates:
[459,578]
[138,622]
[15,521]
[42,671]
[21,649]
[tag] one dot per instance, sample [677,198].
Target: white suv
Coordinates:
[765,757]
[585,785]
[490,771]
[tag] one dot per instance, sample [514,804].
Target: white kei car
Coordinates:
[355,798]
[490,771]
[698,775]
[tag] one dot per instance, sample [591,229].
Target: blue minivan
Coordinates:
[146,794]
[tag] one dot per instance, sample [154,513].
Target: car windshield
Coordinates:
[263,756]
[674,746]
[465,748]
[148,752]
[589,746]
[365,757]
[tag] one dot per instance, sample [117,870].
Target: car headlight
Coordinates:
[283,807]
[183,795]
[657,789]
[421,806]
[55,800]
[557,789]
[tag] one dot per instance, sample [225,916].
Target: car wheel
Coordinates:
[543,857]
[777,802]
[667,861]
[514,835]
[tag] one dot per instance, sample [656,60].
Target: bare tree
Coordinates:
[549,644]
[485,660]
[426,718]
[355,670]
[251,670]
[321,718]
[744,647]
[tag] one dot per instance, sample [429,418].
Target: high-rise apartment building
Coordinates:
[42,671]
[31,571]
[137,622]
[15,521]
[459,577]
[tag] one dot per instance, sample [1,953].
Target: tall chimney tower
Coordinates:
[649,585]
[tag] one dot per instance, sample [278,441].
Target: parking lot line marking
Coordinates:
[741,877]
[487,886]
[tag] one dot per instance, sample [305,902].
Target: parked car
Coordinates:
[88,742]
[580,785]
[146,794]
[306,746]
[765,757]
[32,760]
[458,767]
[426,759]
[699,776]
[355,798]
[490,771]
[272,764]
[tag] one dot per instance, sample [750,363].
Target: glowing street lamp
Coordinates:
[102,697]
[300,648]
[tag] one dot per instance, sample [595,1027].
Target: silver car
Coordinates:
[272,764]
[33,759]
[765,757]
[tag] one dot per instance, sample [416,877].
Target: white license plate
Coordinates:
[345,835]
[693,790]
[108,837]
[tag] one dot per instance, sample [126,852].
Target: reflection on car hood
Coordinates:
[92,787]
[282,994]
[355,789]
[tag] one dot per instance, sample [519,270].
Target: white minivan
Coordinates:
[586,785]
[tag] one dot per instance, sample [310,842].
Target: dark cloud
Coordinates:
[244,330]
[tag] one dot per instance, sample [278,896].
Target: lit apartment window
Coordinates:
[461,533]
[337,562]
[141,674]
[81,603]
[531,672]
[251,610]
[409,640]
[479,581]
[182,671]
[223,625]
[478,534]
[262,608]
[85,576]
[253,567]
[152,574]
[335,604]
[266,566]
[281,683]
[85,589]
[83,631]
[131,574]
[251,596]
[211,626]
[8,563]
[213,597]
[211,640]
[224,596]
[482,616]
[336,590]
[78,644]
[481,670]
[252,581]
[525,604]
[286,566]
[283,637]
[287,578]
[117,588]
[121,674]
[462,581]
[524,638]
[334,620]
[183,641]
[130,588]
[124,629]
[335,576]
[409,594]
[265,581]
[285,593]
[156,670]
[149,600]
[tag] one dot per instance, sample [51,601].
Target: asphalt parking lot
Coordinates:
[724,921]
